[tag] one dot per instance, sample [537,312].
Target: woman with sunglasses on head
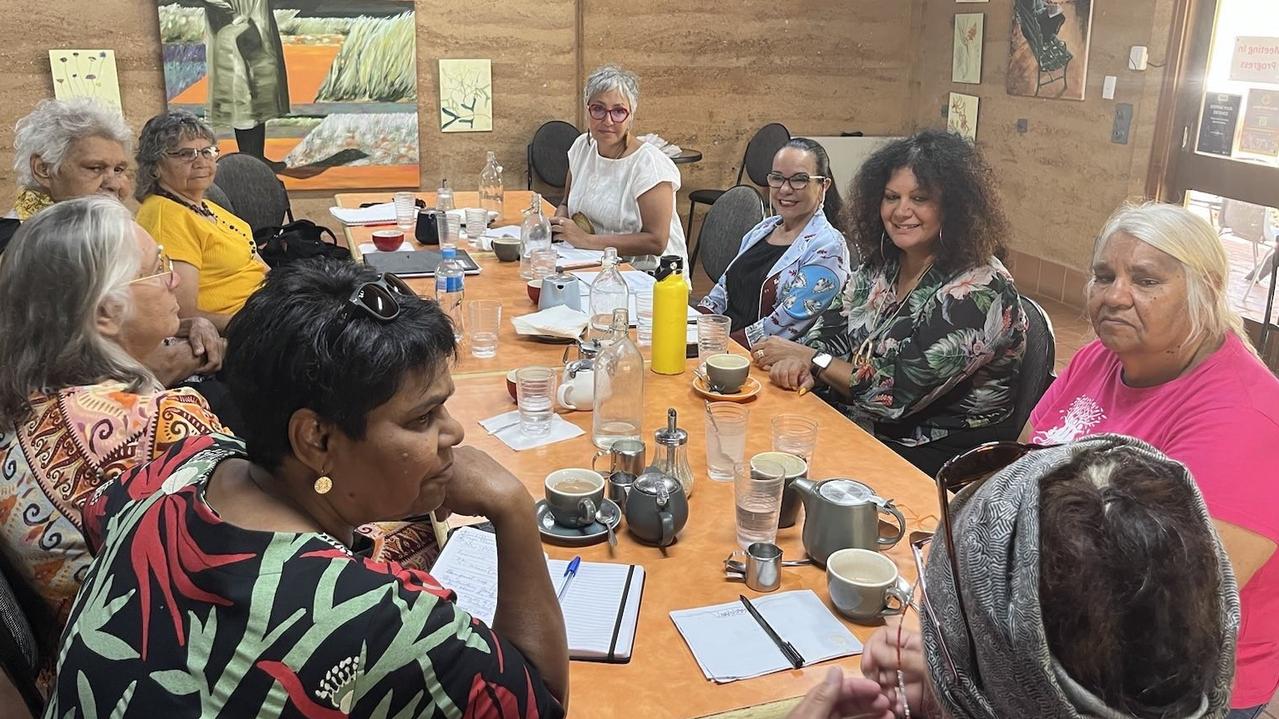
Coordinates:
[1173,366]
[1088,582]
[924,344]
[238,568]
[792,265]
[623,187]
[85,296]
[212,249]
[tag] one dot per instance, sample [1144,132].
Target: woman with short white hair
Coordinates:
[621,188]
[1173,366]
[70,148]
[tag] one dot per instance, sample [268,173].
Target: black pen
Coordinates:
[788,649]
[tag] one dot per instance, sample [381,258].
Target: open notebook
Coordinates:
[601,606]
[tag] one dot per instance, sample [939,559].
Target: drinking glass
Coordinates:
[476,222]
[644,317]
[757,492]
[725,439]
[405,211]
[454,220]
[484,317]
[712,335]
[796,434]
[542,262]
[535,395]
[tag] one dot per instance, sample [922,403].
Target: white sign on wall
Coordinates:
[1256,59]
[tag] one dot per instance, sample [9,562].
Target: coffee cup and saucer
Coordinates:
[726,377]
[575,512]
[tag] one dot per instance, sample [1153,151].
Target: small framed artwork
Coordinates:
[966,61]
[961,119]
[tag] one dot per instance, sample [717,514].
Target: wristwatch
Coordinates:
[818,363]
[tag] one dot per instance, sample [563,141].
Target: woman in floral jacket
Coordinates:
[924,344]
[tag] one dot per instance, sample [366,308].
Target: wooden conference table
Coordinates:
[662,678]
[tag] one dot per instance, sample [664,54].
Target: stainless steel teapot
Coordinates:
[560,288]
[840,513]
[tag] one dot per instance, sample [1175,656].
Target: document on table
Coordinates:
[601,606]
[637,282]
[372,215]
[729,644]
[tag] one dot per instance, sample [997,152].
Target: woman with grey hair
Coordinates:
[1083,580]
[212,250]
[1172,365]
[85,295]
[620,191]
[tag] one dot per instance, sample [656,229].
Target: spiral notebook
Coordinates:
[601,606]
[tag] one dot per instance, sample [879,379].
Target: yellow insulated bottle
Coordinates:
[670,316]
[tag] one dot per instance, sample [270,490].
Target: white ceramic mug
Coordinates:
[578,394]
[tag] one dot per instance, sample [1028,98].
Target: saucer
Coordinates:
[745,393]
[582,536]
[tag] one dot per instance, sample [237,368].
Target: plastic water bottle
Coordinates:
[491,185]
[608,292]
[535,234]
[449,288]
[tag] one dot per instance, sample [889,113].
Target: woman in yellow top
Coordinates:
[212,250]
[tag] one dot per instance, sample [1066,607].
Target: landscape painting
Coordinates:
[325,91]
[1048,48]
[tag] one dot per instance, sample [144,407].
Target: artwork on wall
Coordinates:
[961,118]
[85,73]
[972,0]
[1048,48]
[324,91]
[966,61]
[466,96]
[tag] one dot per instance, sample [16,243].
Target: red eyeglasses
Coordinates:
[599,112]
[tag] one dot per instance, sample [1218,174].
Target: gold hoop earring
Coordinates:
[323,484]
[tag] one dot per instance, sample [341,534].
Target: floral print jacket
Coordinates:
[183,615]
[941,359]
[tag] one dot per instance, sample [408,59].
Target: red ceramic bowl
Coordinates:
[510,383]
[388,240]
[534,290]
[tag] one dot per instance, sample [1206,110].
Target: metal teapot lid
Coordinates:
[671,436]
[561,279]
[846,492]
[655,483]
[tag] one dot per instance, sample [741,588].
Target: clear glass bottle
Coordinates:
[672,452]
[450,288]
[535,234]
[619,388]
[444,196]
[491,185]
[608,292]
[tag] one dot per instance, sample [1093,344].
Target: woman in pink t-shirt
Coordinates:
[1173,366]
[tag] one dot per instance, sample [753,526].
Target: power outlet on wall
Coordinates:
[1123,123]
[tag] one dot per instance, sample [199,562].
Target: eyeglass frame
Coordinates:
[209,153]
[388,285]
[784,180]
[609,112]
[166,264]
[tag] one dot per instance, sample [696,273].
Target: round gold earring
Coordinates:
[323,484]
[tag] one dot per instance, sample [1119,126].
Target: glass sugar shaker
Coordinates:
[674,460]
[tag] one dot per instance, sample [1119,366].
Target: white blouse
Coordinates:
[607,191]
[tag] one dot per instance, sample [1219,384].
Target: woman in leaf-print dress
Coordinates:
[229,580]
[924,344]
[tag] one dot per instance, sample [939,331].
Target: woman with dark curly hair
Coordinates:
[924,344]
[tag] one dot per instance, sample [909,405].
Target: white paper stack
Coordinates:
[371,215]
[506,427]
[558,321]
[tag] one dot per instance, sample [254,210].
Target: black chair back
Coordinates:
[548,153]
[256,194]
[1036,364]
[758,160]
[21,649]
[729,219]
[219,197]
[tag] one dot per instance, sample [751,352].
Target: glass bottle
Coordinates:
[672,452]
[619,388]
[491,185]
[608,292]
[535,234]
[444,196]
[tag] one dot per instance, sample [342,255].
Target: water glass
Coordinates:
[477,221]
[795,434]
[712,335]
[725,439]
[535,395]
[455,227]
[644,317]
[484,317]
[757,492]
[405,211]
[542,263]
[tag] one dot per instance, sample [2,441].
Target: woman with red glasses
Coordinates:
[623,189]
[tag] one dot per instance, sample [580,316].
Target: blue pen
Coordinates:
[569,572]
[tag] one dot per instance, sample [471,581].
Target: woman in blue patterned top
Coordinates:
[924,344]
[792,265]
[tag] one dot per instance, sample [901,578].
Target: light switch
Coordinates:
[1108,87]
[1138,57]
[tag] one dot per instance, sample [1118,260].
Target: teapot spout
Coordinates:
[807,489]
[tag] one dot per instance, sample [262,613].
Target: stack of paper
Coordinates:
[371,215]
[558,321]
[637,282]
[506,427]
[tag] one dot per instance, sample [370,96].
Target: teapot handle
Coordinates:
[887,542]
[668,528]
[562,396]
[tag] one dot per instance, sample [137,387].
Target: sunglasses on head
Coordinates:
[378,297]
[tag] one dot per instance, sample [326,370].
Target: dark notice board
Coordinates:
[1217,126]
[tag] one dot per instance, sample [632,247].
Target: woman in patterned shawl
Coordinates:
[924,344]
[230,580]
[85,295]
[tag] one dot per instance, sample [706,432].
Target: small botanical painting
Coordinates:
[466,96]
[966,63]
[961,118]
[85,73]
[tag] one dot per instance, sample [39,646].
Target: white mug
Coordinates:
[579,393]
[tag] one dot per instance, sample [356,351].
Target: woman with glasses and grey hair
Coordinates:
[1172,365]
[1086,581]
[212,249]
[619,187]
[85,295]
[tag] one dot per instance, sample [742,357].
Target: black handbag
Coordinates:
[298,240]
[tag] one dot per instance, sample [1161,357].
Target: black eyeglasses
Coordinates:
[378,298]
[969,469]
[797,181]
[599,112]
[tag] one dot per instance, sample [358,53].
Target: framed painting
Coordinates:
[966,60]
[961,117]
[1048,48]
